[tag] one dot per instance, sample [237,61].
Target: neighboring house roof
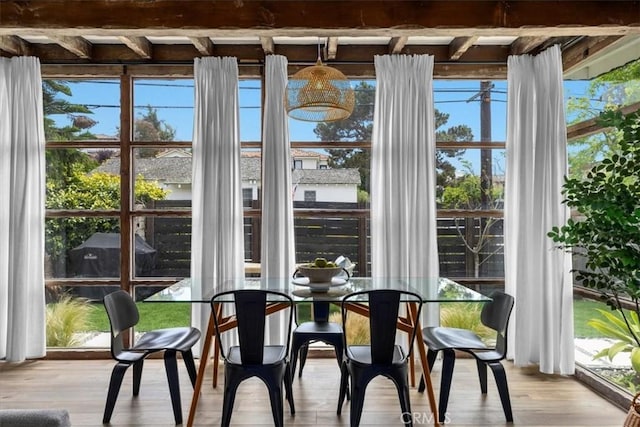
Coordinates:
[174,170]
[177,170]
[325,176]
[296,153]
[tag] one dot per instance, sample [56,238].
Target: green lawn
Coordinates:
[152,316]
[583,311]
[160,315]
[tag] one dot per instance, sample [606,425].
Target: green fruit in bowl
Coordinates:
[320,262]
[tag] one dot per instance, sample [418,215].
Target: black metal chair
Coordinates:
[495,315]
[318,329]
[382,356]
[252,358]
[123,316]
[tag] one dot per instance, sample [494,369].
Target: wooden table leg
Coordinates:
[425,368]
[216,348]
[201,370]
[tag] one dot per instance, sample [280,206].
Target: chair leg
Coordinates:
[503,389]
[275,398]
[448,363]
[482,375]
[304,350]
[137,376]
[114,387]
[359,382]
[344,384]
[431,360]
[230,388]
[401,381]
[187,356]
[295,349]
[339,350]
[171,367]
[288,381]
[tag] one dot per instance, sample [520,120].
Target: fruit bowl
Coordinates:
[319,274]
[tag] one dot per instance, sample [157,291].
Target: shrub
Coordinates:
[357,327]
[65,319]
[464,316]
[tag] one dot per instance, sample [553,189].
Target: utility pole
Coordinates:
[486,167]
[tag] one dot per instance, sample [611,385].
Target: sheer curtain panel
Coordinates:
[403,175]
[217,239]
[536,274]
[22,192]
[278,252]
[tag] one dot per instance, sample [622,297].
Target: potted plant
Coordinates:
[606,233]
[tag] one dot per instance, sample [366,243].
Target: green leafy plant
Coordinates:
[65,319]
[606,234]
[623,329]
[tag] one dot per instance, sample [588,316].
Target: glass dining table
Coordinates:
[432,290]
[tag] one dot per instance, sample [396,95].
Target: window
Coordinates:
[309,196]
[247,197]
[297,164]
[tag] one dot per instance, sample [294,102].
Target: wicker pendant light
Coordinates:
[319,94]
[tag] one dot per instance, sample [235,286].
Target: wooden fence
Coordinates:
[331,237]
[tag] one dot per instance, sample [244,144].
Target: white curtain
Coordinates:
[217,242]
[536,274]
[403,175]
[22,175]
[278,252]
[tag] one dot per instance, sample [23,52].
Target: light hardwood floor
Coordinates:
[81,386]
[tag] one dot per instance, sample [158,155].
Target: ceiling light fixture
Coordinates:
[319,94]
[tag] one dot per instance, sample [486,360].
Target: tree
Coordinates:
[466,193]
[148,127]
[62,161]
[69,183]
[607,92]
[359,127]
[95,191]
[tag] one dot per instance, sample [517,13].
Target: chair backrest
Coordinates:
[495,315]
[251,312]
[123,315]
[383,306]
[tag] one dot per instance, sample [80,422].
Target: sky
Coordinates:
[174,99]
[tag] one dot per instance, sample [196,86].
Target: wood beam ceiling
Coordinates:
[203,44]
[141,18]
[583,28]
[139,45]
[76,45]
[459,46]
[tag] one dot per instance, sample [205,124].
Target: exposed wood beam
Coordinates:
[140,45]
[203,44]
[271,17]
[583,50]
[15,45]
[591,126]
[459,46]
[76,45]
[523,45]
[267,45]
[253,53]
[396,44]
[332,47]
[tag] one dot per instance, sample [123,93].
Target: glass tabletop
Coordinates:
[300,290]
